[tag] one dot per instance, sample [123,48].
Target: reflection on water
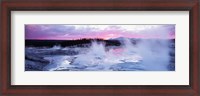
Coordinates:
[145,56]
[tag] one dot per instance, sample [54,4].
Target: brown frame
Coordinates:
[193,89]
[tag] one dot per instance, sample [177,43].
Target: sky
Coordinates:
[73,32]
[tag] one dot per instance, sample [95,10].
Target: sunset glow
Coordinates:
[72,32]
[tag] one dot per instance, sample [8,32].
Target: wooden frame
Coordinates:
[193,89]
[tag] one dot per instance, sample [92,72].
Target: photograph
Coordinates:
[99,47]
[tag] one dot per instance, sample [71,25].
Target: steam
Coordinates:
[153,54]
[94,56]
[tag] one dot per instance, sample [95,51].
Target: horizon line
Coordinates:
[97,38]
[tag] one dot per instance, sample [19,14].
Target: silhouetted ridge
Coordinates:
[79,42]
[64,43]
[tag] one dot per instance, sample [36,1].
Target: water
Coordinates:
[146,55]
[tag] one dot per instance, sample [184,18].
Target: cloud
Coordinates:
[42,31]
[57,31]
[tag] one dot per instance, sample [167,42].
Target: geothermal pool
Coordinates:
[149,55]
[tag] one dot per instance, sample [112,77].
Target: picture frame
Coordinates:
[100,5]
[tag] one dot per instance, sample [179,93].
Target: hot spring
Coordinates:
[146,55]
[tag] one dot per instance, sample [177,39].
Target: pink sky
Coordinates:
[72,32]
